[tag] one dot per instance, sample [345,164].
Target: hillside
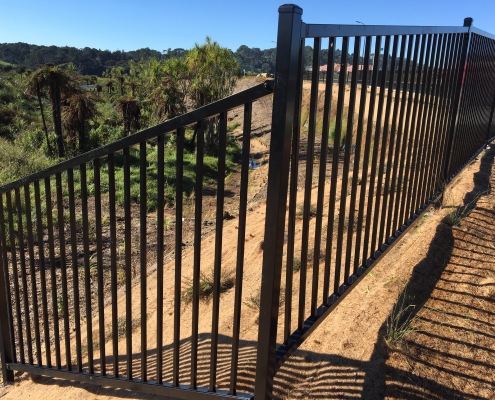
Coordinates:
[444,272]
[91,61]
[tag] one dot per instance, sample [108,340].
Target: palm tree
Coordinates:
[56,83]
[170,96]
[214,71]
[34,89]
[117,74]
[131,112]
[109,86]
[78,109]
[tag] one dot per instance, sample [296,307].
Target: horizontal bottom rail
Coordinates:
[164,389]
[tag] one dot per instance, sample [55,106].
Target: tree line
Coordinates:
[90,61]
[50,111]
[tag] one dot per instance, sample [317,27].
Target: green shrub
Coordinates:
[13,163]
[105,134]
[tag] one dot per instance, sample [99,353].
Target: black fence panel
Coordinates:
[358,149]
[475,116]
[376,138]
[75,235]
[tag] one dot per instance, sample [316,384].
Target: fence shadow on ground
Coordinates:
[427,276]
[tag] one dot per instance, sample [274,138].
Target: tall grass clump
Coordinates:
[455,217]
[402,319]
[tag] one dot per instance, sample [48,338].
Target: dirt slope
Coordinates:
[449,271]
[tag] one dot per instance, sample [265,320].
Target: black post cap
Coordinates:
[290,8]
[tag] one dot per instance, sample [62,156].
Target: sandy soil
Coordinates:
[449,353]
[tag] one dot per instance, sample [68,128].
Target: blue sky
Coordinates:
[129,25]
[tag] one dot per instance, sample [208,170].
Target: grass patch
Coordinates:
[332,128]
[206,285]
[254,301]
[13,166]
[455,217]
[233,126]
[401,321]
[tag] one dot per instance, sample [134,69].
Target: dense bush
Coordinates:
[17,161]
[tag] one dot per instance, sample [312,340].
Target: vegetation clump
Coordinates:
[86,112]
[206,285]
[402,320]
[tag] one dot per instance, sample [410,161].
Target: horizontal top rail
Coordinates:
[330,30]
[208,111]
[482,33]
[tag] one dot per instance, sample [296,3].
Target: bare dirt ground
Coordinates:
[450,280]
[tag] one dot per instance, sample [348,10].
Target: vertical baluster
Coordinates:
[423,193]
[357,158]
[415,127]
[388,150]
[128,266]
[179,188]
[142,255]
[198,215]
[7,349]
[381,135]
[421,150]
[22,259]
[327,108]
[294,168]
[375,139]
[409,128]
[113,262]
[32,270]
[335,171]
[53,276]
[241,235]
[217,266]
[400,102]
[405,151]
[308,185]
[63,270]
[87,267]
[41,255]
[99,265]
[445,66]
[159,255]
[345,172]
[75,268]
[15,278]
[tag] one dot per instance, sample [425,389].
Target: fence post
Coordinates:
[6,350]
[457,99]
[288,43]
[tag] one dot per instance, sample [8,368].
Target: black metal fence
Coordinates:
[375,149]
[354,165]
[68,242]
